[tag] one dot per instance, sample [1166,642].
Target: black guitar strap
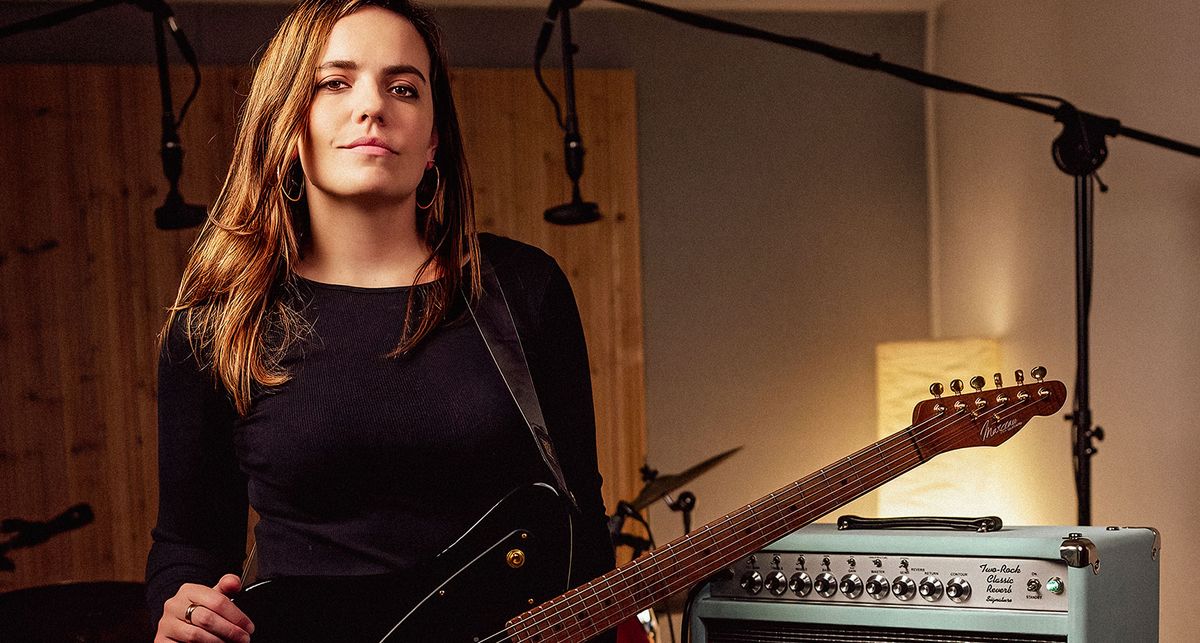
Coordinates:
[494,320]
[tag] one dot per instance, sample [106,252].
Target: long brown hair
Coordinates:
[231,299]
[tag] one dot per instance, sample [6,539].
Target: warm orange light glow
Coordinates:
[968,482]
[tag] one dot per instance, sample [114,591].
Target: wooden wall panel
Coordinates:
[85,277]
[517,163]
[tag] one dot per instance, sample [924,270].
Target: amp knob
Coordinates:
[800,584]
[752,582]
[776,583]
[877,586]
[958,589]
[851,586]
[904,588]
[825,584]
[930,589]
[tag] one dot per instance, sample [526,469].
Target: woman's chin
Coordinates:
[373,194]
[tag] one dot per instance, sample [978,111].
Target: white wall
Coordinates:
[1004,251]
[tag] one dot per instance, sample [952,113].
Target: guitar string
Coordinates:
[579,593]
[686,545]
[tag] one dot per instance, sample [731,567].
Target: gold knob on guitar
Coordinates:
[956,385]
[998,380]
[1038,373]
[977,383]
[937,389]
[1020,375]
[515,558]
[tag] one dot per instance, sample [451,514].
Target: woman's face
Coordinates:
[371,127]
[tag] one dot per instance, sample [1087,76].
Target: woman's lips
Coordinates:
[370,150]
[370,145]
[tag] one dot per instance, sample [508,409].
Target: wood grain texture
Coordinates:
[85,277]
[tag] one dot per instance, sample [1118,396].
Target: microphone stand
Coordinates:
[1078,151]
[175,213]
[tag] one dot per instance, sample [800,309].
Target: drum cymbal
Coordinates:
[662,485]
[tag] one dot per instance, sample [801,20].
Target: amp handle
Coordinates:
[982,524]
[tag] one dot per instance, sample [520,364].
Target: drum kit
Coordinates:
[115,611]
[644,628]
[92,612]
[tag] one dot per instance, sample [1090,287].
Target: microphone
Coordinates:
[573,213]
[577,211]
[174,213]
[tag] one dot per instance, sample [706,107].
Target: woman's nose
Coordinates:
[370,107]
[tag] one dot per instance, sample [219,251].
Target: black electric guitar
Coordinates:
[506,578]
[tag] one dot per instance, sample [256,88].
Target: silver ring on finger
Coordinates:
[187,614]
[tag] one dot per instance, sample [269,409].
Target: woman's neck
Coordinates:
[355,243]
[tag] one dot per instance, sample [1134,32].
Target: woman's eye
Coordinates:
[332,83]
[404,90]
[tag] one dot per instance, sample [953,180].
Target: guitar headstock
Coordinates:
[984,417]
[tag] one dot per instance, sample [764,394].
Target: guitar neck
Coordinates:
[602,603]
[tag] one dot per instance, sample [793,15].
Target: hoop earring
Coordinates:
[283,182]
[437,188]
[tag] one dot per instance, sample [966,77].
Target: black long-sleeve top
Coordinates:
[362,463]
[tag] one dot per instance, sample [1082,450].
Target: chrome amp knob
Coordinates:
[776,583]
[958,590]
[877,586]
[930,589]
[752,582]
[904,588]
[825,584]
[800,584]
[851,586]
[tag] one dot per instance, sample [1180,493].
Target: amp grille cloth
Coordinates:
[732,631]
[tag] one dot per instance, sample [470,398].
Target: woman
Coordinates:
[317,363]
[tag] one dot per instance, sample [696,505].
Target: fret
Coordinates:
[882,458]
[776,520]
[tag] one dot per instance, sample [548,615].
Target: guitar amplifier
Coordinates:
[1076,584]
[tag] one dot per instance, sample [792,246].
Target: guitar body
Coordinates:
[516,556]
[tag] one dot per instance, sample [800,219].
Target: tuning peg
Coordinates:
[1038,373]
[998,380]
[977,383]
[937,389]
[956,385]
[1020,375]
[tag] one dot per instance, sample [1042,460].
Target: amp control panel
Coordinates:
[911,581]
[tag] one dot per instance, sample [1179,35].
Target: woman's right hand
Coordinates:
[213,619]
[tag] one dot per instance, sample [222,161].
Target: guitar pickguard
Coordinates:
[516,556]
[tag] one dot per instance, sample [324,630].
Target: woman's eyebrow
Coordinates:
[390,70]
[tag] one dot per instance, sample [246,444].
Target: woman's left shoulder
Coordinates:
[512,256]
